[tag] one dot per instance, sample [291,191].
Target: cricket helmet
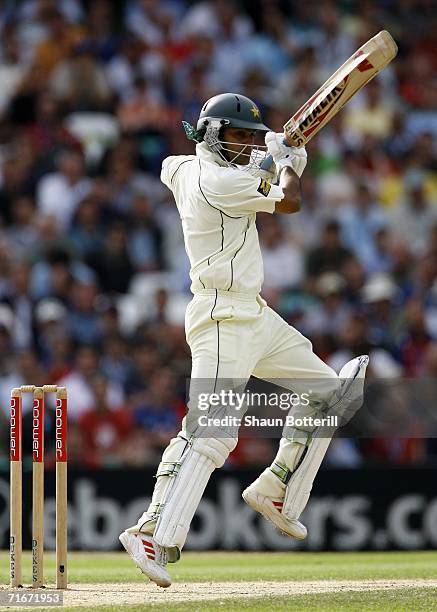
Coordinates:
[232,110]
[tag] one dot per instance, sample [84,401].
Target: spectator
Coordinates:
[22,305]
[116,363]
[332,42]
[379,298]
[298,82]
[12,70]
[12,185]
[145,236]
[52,275]
[354,340]
[150,20]
[360,222]
[331,314]
[331,255]
[146,359]
[104,430]
[83,319]
[125,181]
[374,117]
[79,82]
[47,133]
[60,41]
[58,354]
[81,398]
[22,233]
[158,414]
[415,217]
[68,185]
[382,260]
[145,110]
[112,264]
[87,234]
[126,66]
[100,30]
[416,340]
[24,370]
[6,340]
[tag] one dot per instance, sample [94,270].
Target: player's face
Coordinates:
[237,140]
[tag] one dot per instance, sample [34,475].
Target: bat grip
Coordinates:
[269,159]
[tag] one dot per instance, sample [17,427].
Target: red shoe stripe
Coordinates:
[278,504]
[149,549]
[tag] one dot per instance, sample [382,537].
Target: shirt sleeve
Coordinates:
[237,191]
[168,167]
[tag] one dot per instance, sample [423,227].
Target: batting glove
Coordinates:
[283,155]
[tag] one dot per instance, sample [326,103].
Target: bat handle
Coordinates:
[269,159]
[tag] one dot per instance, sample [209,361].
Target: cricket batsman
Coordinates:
[232,332]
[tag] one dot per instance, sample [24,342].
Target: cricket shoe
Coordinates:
[271,509]
[148,556]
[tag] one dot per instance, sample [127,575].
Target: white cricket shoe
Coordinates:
[271,509]
[148,556]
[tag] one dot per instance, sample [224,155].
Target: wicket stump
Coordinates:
[16,485]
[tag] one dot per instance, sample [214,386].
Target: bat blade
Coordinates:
[352,76]
[325,103]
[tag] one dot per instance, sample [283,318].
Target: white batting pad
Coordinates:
[350,394]
[183,499]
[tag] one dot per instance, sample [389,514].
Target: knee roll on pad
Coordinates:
[349,397]
[216,449]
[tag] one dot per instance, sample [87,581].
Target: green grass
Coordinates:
[395,601]
[223,566]
[400,600]
[290,566]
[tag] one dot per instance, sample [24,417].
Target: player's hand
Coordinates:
[283,155]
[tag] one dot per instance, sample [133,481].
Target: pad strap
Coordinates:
[168,468]
[281,471]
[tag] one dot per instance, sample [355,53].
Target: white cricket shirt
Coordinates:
[218,205]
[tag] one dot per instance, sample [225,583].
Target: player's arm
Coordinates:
[290,185]
[290,163]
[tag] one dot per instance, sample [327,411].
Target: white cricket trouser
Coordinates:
[234,336]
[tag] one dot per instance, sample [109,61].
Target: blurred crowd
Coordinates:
[93,272]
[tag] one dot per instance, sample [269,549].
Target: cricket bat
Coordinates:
[356,72]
